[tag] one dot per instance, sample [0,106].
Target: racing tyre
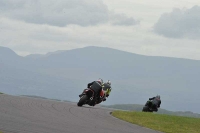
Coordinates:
[145,109]
[82,100]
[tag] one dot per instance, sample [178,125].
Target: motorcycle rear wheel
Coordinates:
[145,109]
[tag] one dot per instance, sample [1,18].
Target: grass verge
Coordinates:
[160,122]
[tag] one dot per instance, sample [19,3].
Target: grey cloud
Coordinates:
[60,13]
[122,19]
[180,23]
[6,5]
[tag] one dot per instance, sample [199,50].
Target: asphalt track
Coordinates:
[31,115]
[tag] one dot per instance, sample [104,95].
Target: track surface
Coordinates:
[31,115]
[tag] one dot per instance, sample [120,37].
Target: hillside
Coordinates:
[64,74]
[160,122]
[137,107]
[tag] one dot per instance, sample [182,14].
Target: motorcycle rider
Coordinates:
[156,102]
[96,86]
[107,89]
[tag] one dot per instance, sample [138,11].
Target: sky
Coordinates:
[147,27]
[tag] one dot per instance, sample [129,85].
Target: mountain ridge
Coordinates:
[63,75]
[61,51]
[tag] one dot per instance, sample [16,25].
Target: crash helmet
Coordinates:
[100,81]
[108,82]
[158,96]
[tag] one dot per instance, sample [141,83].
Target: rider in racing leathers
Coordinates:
[107,89]
[156,102]
[96,86]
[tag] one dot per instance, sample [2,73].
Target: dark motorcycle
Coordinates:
[149,107]
[88,97]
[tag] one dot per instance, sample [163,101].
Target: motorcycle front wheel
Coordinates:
[82,100]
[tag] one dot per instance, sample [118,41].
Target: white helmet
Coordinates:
[108,82]
[158,96]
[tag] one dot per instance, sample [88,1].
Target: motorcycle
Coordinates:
[149,107]
[88,97]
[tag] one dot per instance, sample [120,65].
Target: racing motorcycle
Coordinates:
[149,107]
[88,97]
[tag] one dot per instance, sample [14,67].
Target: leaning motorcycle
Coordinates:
[88,97]
[148,107]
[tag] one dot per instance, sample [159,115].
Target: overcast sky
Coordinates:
[148,27]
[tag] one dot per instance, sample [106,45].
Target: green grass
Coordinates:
[138,107]
[160,122]
[1,93]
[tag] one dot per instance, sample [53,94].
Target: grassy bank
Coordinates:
[164,123]
[138,107]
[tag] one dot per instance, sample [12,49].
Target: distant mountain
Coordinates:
[135,78]
[7,53]
[36,56]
